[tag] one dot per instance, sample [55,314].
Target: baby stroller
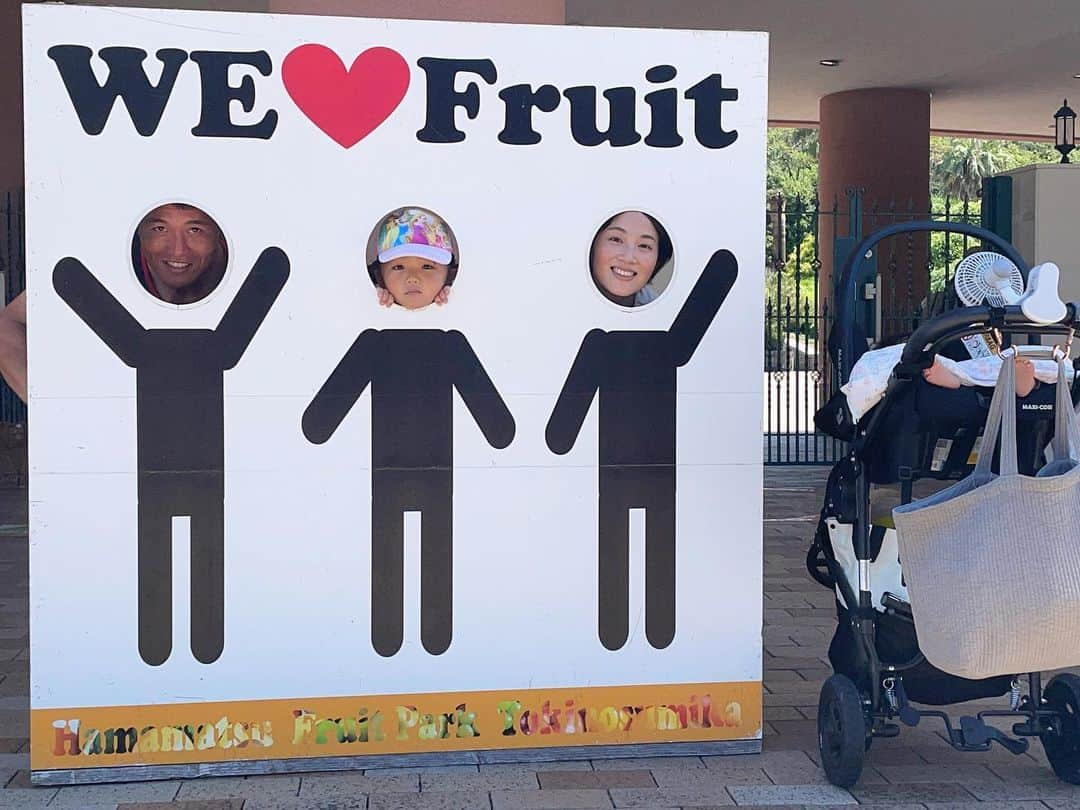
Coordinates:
[879,670]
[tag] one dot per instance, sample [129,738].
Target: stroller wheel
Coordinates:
[841,731]
[1062,742]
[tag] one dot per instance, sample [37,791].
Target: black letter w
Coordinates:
[94,102]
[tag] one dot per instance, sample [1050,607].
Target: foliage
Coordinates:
[958,167]
[791,164]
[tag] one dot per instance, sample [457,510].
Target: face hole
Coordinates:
[631,259]
[412,258]
[179,253]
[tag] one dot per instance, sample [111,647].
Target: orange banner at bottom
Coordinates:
[186,733]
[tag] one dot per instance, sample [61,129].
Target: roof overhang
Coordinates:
[993,68]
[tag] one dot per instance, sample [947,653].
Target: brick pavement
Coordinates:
[915,771]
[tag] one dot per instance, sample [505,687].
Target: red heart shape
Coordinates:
[346,105]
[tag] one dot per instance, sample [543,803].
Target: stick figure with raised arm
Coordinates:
[180,440]
[635,373]
[412,374]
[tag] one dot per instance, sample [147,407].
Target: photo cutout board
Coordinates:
[396,391]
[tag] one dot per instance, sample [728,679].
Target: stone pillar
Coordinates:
[878,141]
[511,11]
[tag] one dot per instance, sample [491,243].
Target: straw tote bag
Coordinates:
[992,563]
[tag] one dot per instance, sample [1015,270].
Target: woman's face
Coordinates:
[624,256]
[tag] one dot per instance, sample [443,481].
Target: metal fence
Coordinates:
[914,280]
[13,273]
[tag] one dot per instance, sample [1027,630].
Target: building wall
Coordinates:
[507,11]
[11,141]
[198,5]
[1044,219]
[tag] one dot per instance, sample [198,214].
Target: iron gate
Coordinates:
[912,281]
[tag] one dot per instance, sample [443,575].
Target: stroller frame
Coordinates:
[849,718]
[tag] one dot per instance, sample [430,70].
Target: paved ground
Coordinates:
[916,771]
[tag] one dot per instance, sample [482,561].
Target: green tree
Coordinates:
[792,163]
[959,167]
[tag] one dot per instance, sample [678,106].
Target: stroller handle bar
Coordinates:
[849,276]
[923,343]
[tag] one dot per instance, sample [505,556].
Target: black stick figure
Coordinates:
[412,375]
[180,411]
[635,373]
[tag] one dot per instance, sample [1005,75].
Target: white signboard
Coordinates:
[396,389]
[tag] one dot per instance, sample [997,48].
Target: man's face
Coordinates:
[184,253]
[412,281]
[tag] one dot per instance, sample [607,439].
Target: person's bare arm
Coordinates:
[13,345]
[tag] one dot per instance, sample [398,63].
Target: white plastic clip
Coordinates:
[1041,303]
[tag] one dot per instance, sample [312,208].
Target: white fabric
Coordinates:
[869,378]
[871,373]
[430,252]
[886,575]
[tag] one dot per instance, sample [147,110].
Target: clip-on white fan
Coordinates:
[993,279]
[988,278]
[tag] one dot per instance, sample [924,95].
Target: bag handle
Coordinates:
[1066,443]
[1001,418]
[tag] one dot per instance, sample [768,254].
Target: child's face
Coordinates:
[412,281]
